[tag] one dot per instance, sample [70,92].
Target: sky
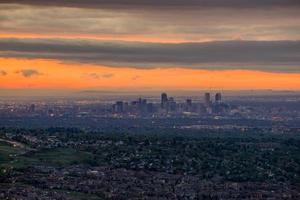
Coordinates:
[150,45]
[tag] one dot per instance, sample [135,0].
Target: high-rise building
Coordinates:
[164,100]
[142,105]
[32,108]
[218,98]
[150,108]
[119,106]
[125,107]
[172,104]
[207,101]
[188,104]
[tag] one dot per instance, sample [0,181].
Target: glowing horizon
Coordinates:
[141,45]
[49,74]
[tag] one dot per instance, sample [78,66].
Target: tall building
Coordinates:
[218,98]
[125,107]
[172,104]
[32,108]
[207,101]
[150,108]
[188,104]
[142,104]
[164,100]
[119,106]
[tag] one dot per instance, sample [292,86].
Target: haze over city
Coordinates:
[149,99]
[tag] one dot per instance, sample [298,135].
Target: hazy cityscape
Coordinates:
[149,100]
[207,146]
[277,112]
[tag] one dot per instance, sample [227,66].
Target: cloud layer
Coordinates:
[257,55]
[98,76]
[160,3]
[3,73]
[217,20]
[27,73]
[201,34]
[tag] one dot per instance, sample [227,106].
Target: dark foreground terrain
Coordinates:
[167,164]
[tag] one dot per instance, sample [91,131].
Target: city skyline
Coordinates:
[169,104]
[149,99]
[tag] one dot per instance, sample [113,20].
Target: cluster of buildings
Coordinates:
[169,105]
[143,172]
[140,105]
[108,183]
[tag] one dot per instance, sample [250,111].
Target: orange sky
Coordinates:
[257,35]
[54,74]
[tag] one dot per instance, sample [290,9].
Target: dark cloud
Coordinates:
[257,55]
[108,75]
[280,23]
[3,73]
[27,73]
[160,3]
[135,78]
[92,75]
[98,76]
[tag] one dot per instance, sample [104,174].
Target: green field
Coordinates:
[7,152]
[57,157]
